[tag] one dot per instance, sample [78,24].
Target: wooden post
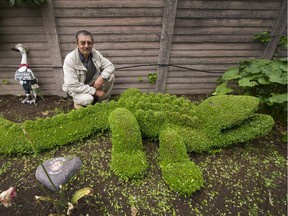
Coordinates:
[168,22]
[278,28]
[50,27]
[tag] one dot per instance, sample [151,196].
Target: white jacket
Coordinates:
[75,72]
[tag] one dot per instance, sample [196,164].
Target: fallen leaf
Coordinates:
[45,113]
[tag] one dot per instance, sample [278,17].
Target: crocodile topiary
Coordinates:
[180,126]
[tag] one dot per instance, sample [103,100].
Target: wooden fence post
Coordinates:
[278,28]
[50,28]
[168,22]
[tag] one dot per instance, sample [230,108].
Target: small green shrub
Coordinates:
[128,158]
[152,77]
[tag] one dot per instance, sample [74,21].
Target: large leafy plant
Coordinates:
[265,79]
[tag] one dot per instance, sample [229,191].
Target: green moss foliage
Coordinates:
[181,174]
[223,111]
[56,131]
[226,120]
[128,158]
[184,178]
[134,99]
[151,122]
[154,111]
[256,126]
[12,138]
[195,139]
[180,126]
[217,122]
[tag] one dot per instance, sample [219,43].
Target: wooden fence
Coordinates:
[188,44]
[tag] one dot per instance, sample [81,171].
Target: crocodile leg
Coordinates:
[181,174]
[128,156]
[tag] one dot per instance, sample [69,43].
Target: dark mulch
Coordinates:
[11,107]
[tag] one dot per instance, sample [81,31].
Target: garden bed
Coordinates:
[248,178]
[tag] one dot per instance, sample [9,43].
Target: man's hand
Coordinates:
[98,83]
[100,93]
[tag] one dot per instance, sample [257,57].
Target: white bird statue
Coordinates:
[26,77]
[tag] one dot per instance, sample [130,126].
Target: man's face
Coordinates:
[85,44]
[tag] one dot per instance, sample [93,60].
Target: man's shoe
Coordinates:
[77,106]
[104,101]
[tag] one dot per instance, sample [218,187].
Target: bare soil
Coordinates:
[12,109]
[246,179]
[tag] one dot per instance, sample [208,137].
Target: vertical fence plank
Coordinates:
[168,22]
[49,21]
[276,33]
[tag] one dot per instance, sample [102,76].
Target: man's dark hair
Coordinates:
[83,32]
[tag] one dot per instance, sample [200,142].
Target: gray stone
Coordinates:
[60,170]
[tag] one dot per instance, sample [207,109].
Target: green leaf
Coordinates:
[263,81]
[254,68]
[266,70]
[278,98]
[232,73]
[5,82]
[44,198]
[246,82]
[283,67]
[222,89]
[284,59]
[80,193]
[278,77]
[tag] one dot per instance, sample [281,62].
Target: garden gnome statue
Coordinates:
[26,77]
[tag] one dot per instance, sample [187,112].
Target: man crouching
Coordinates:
[88,76]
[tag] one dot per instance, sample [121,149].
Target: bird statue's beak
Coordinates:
[15,49]
[20,48]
